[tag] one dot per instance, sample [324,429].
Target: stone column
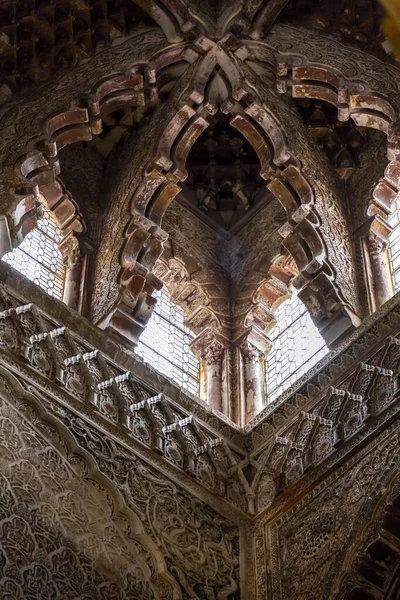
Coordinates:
[376,245]
[213,356]
[253,380]
[74,261]
[72,286]
[5,237]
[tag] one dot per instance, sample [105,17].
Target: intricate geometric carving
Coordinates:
[133,475]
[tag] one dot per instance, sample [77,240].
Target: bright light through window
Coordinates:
[394,244]
[39,258]
[296,346]
[165,344]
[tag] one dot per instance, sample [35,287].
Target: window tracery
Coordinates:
[394,245]
[38,256]
[165,344]
[297,345]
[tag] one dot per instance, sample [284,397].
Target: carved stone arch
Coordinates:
[148,178]
[37,171]
[159,187]
[363,89]
[40,165]
[370,569]
[366,106]
[84,471]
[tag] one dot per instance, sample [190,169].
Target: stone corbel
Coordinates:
[315,281]
[142,247]
[130,321]
[332,316]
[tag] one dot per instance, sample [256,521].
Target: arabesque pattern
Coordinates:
[117,484]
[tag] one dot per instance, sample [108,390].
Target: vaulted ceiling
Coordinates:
[248,140]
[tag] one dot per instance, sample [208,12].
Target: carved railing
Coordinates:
[343,401]
[60,362]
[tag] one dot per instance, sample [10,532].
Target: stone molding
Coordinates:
[352,395]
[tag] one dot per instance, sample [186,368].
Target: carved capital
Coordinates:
[70,250]
[250,353]
[376,245]
[213,354]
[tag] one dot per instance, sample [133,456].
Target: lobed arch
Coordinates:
[33,159]
[144,552]
[371,565]
[218,76]
[160,184]
[145,188]
[36,171]
[361,88]
[31,134]
[81,123]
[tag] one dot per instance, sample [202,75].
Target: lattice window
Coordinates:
[165,344]
[296,346]
[394,245]
[38,257]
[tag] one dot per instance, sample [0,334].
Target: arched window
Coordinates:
[296,346]
[394,244]
[165,344]
[39,258]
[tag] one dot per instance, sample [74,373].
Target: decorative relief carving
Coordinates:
[372,562]
[277,462]
[120,398]
[313,538]
[326,429]
[61,530]
[200,548]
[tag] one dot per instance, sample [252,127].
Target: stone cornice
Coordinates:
[338,407]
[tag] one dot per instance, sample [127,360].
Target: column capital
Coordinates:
[209,346]
[214,353]
[250,353]
[376,243]
[70,249]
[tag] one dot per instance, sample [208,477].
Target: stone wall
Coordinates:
[82,517]
[113,490]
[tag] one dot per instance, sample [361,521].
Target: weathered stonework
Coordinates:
[115,483]
[309,454]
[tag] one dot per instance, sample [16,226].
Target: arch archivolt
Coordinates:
[363,89]
[218,81]
[371,565]
[36,172]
